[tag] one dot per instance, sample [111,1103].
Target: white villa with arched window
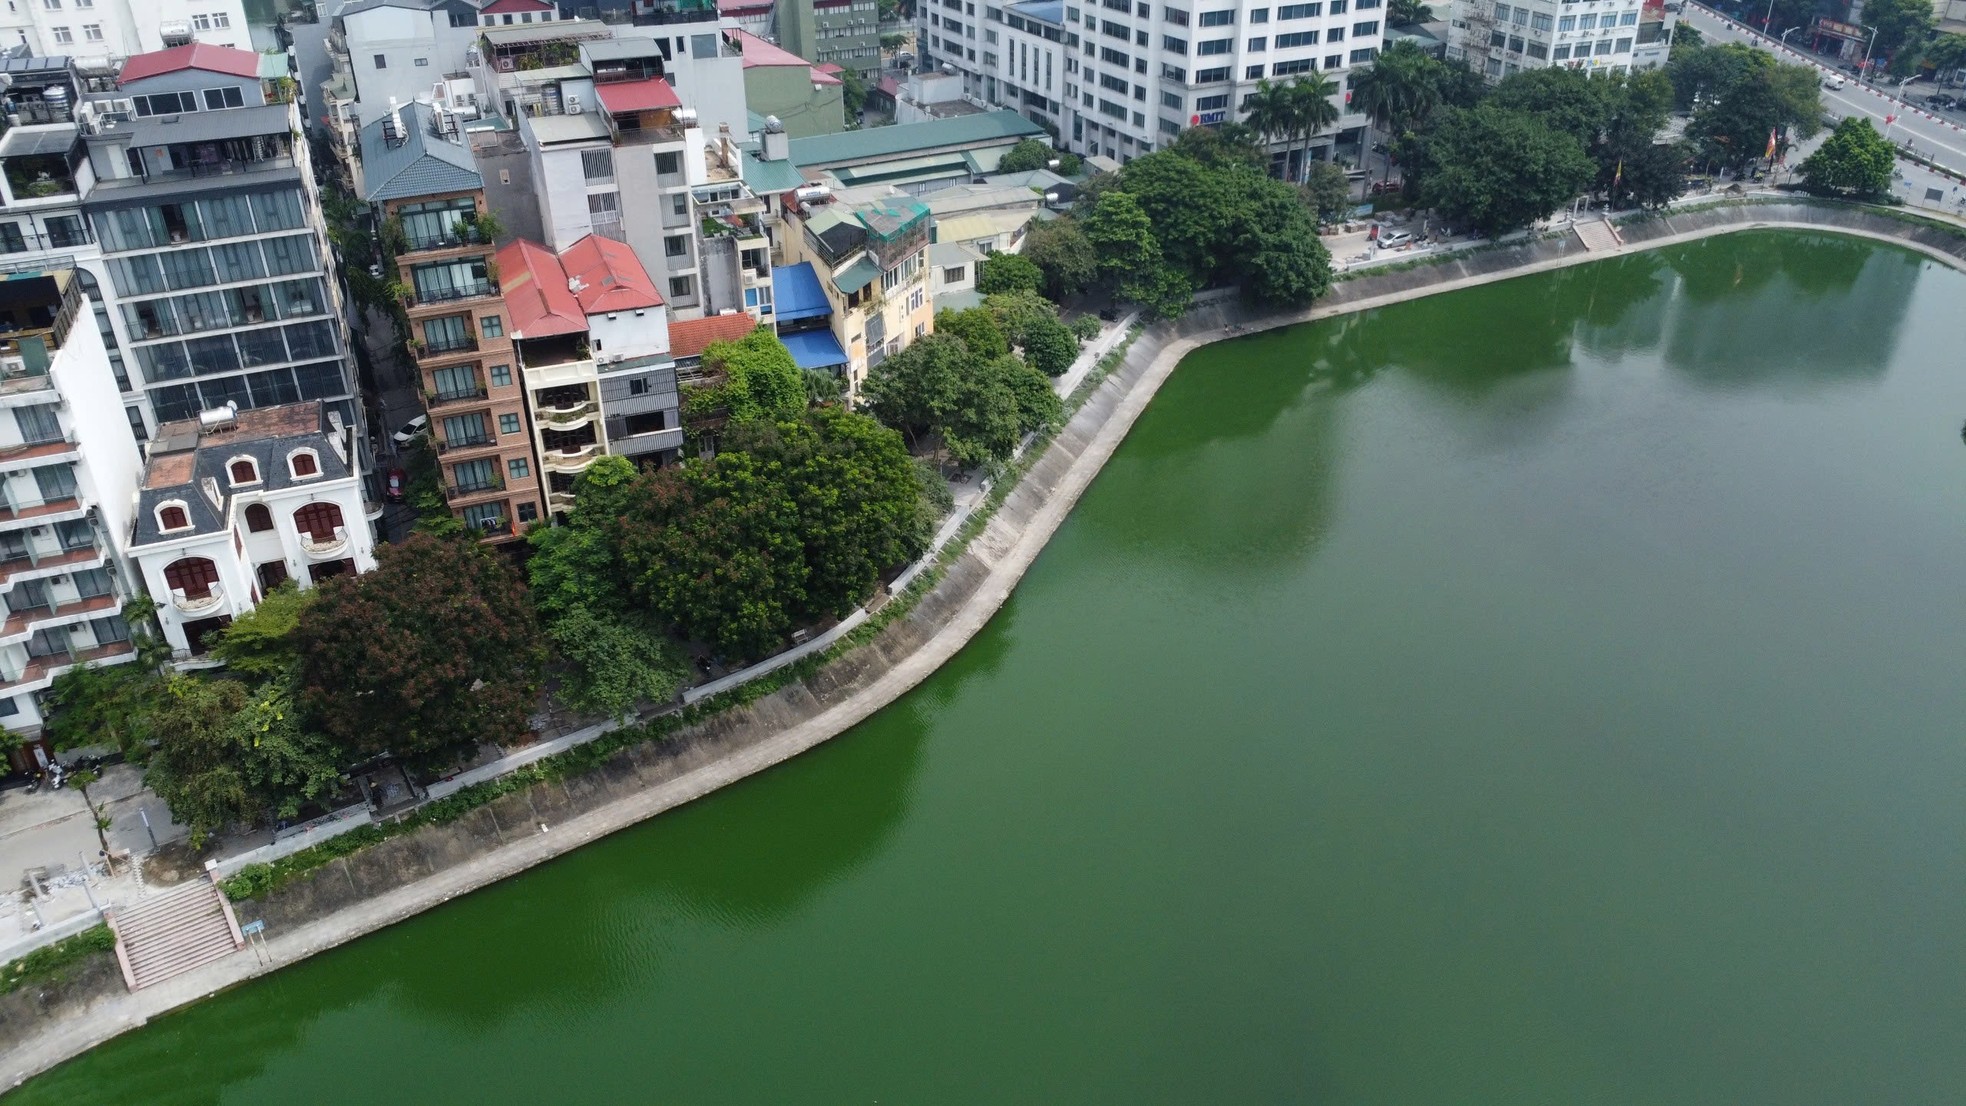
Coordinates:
[235,503]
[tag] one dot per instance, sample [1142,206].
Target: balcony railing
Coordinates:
[318,546]
[423,349]
[474,487]
[452,295]
[469,441]
[193,604]
[446,241]
[574,457]
[568,416]
[456,395]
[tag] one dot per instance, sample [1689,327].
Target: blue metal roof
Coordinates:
[796,294]
[422,164]
[814,349]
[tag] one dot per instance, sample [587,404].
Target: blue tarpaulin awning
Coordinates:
[796,292]
[814,349]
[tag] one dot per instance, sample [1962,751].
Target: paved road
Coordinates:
[1942,140]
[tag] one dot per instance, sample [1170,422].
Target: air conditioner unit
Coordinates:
[573,105]
[13,365]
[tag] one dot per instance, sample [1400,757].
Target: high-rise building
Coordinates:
[428,196]
[68,479]
[1118,78]
[87,29]
[846,33]
[1604,36]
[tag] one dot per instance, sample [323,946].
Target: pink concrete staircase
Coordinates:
[171,933]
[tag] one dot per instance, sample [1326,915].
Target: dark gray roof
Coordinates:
[186,466]
[618,49]
[422,164]
[207,126]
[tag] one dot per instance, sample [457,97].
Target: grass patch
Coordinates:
[57,963]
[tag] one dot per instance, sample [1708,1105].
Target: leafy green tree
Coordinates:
[231,755]
[260,643]
[1405,13]
[1129,255]
[762,383]
[1685,39]
[1853,160]
[1563,99]
[1220,146]
[1399,90]
[1645,174]
[1015,313]
[977,327]
[95,704]
[1272,112]
[1276,243]
[1945,54]
[939,387]
[1903,28]
[914,390]
[1498,170]
[795,521]
[1036,153]
[1007,272]
[431,654]
[1049,346]
[823,387]
[1060,251]
[1328,192]
[853,94]
[615,662]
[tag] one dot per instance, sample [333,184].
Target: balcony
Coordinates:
[469,441]
[31,564]
[328,545]
[40,670]
[734,225]
[455,395]
[559,501]
[452,294]
[198,604]
[53,510]
[38,453]
[471,488]
[566,418]
[448,240]
[571,458]
[429,351]
[21,624]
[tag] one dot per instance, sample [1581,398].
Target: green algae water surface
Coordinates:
[1546,693]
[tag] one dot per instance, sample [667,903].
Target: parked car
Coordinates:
[1834,83]
[398,479]
[411,431]
[1395,240]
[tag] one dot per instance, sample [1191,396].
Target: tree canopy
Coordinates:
[762,382]
[431,654]
[1499,170]
[1036,153]
[229,754]
[1853,160]
[1060,251]
[1008,272]
[979,406]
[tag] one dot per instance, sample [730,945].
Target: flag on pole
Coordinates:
[1770,155]
[1617,177]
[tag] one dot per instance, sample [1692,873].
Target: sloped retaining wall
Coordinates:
[354,895]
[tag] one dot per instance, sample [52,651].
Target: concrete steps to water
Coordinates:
[1597,234]
[169,934]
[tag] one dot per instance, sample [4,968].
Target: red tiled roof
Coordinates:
[645,95]
[889,85]
[497,7]
[198,55]
[536,295]
[691,337]
[820,76]
[611,276]
[759,52]
[829,67]
[736,7]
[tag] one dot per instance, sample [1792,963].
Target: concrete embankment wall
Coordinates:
[43,1025]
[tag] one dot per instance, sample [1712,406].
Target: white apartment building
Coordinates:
[400,49]
[1499,38]
[1125,76]
[68,478]
[115,28]
[236,503]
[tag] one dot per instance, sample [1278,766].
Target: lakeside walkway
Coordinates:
[559,817]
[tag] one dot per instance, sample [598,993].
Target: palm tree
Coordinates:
[1310,97]
[1397,92]
[1272,112]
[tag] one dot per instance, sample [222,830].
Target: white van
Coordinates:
[1833,82]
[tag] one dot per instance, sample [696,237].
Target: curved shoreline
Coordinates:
[405,876]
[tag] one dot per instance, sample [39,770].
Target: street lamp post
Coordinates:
[1865,67]
[1786,34]
[1768,17]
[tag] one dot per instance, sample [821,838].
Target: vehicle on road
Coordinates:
[398,480]
[1395,240]
[410,431]
[1834,83]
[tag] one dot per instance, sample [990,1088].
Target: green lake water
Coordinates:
[1546,693]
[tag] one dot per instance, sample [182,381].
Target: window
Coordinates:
[304,463]
[1624,44]
[1260,15]
[1300,11]
[219,98]
[1360,57]
[675,245]
[1212,103]
[1502,13]
[1258,44]
[1604,47]
[597,165]
[38,424]
[1369,27]
[64,35]
[1628,19]
[1218,19]
[604,207]
[258,518]
[173,516]
[219,19]
[423,63]
[318,521]
[1515,43]
[1559,53]
[668,162]
[681,288]
[491,326]
[1292,68]
[1538,50]
[1297,38]
[1587,22]
[508,424]
[194,576]
[243,472]
[501,376]
[1539,21]
[518,468]
[272,574]
[201,22]
[528,512]
[1214,46]
[382,61]
[1335,34]
[1497,39]
[51,5]
[1566,23]
[1252,73]
[956,275]
[92,32]
[1337,7]
[1175,16]
[1176,45]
